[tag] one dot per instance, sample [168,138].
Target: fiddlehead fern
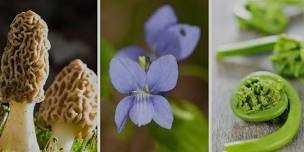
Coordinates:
[264,96]
[267,16]
[288,57]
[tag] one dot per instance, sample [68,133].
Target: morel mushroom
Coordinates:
[24,70]
[70,105]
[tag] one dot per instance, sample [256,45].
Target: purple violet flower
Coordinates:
[144,104]
[165,36]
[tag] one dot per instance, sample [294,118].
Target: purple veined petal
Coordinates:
[179,40]
[132,52]
[142,111]
[126,75]
[122,112]
[166,42]
[161,19]
[162,74]
[188,36]
[163,115]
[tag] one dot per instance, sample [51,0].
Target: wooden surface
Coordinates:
[225,75]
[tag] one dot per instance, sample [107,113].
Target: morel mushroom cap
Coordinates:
[24,63]
[72,98]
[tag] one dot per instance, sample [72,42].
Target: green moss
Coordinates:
[43,136]
[48,144]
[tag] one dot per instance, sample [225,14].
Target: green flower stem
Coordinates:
[265,86]
[249,47]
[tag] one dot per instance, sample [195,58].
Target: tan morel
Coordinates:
[70,105]
[24,70]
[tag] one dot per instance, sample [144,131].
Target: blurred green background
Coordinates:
[122,24]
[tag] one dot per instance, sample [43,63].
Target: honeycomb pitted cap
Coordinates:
[72,98]
[24,63]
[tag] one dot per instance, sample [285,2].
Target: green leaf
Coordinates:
[106,53]
[189,131]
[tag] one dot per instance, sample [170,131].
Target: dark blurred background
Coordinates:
[72,29]
[122,24]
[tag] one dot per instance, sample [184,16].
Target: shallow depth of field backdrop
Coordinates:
[72,33]
[72,29]
[122,24]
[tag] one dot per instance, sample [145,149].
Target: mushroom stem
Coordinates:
[65,134]
[19,131]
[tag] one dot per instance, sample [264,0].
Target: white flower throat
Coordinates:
[141,95]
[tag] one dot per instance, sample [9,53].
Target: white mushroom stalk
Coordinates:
[65,135]
[70,105]
[19,132]
[24,70]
